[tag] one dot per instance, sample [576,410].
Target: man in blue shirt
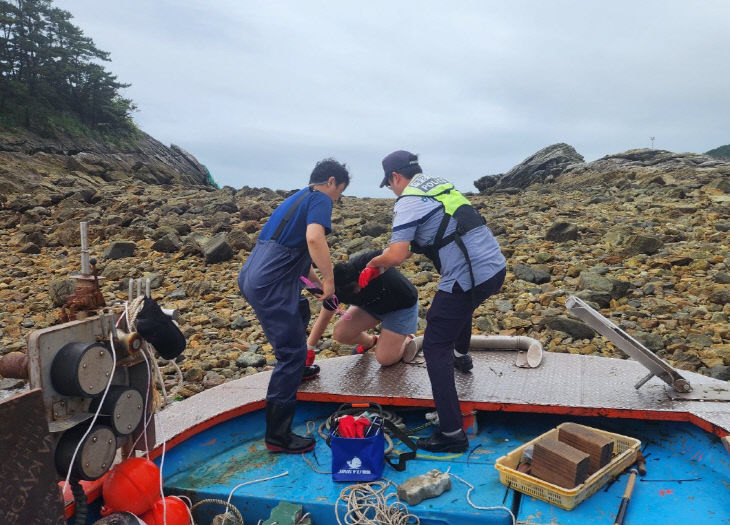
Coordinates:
[431,217]
[292,239]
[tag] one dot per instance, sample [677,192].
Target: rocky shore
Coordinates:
[645,242]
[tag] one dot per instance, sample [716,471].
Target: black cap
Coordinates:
[397,161]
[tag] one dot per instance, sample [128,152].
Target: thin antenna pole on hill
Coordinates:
[652,142]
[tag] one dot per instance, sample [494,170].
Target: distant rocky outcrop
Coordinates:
[560,164]
[30,163]
[646,166]
[723,152]
[542,166]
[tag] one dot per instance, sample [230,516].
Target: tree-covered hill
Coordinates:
[52,77]
[723,152]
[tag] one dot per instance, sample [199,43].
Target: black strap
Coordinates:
[439,241]
[289,213]
[403,457]
[463,249]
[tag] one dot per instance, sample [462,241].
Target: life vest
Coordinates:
[454,205]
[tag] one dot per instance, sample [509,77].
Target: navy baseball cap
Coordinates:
[397,161]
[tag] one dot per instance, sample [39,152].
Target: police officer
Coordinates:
[291,240]
[432,218]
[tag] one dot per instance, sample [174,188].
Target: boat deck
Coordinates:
[562,384]
[688,479]
[215,439]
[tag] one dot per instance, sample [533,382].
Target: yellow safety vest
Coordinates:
[455,205]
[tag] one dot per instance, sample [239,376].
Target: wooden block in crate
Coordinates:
[559,463]
[597,446]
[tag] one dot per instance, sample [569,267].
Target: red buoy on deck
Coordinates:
[175,514]
[133,486]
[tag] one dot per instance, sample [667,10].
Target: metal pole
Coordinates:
[85,267]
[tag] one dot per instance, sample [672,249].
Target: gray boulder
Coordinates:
[576,329]
[640,243]
[561,232]
[60,289]
[537,274]
[167,243]
[119,250]
[217,250]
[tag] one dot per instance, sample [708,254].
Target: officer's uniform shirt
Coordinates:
[418,219]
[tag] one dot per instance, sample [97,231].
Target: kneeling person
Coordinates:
[390,300]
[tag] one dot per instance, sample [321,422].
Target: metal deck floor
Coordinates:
[563,384]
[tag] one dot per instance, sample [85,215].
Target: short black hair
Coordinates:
[346,276]
[327,168]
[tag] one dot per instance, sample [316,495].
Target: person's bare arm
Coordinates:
[393,255]
[320,254]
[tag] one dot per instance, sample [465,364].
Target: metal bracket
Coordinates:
[633,348]
[702,393]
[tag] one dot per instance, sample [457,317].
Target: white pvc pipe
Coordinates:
[529,350]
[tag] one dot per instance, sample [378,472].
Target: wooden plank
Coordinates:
[559,463]
[597,446]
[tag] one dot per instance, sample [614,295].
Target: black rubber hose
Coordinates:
[82,508]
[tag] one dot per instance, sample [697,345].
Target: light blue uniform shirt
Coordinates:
[418,218]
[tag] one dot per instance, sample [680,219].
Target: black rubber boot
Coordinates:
[441,443]
[463,363]
[310,372]
[279,437]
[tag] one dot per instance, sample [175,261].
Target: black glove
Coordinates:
[329,304]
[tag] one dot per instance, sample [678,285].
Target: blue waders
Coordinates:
[269,281]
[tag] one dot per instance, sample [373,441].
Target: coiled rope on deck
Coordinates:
[367,504]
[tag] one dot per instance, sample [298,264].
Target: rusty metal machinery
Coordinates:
[89,369]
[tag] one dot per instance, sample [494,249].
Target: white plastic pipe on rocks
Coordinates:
[529,350]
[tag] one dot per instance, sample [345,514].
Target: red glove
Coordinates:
[367,275]
[350,427]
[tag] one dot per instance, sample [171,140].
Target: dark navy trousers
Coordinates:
[449,327]
[269,281]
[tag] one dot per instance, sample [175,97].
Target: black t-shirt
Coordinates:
[386,293]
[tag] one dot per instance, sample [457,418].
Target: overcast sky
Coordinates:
[259,91]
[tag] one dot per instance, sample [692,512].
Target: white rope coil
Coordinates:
[367,504]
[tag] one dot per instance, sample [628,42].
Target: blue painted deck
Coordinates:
[688,479]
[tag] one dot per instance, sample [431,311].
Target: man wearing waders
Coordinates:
[432,218]
[291,240]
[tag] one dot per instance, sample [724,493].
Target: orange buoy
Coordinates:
[133,486]
[175,514]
